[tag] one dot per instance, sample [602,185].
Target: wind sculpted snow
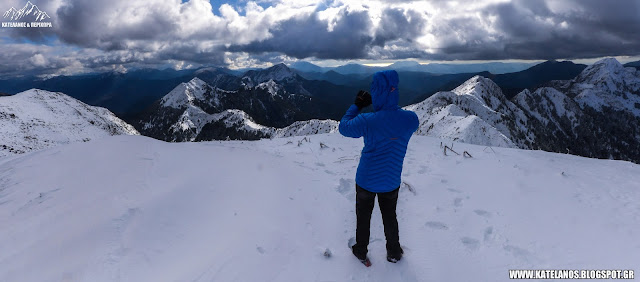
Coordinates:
[131,208]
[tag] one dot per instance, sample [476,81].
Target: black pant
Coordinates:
[364,207]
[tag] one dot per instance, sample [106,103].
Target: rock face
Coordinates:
[37,119]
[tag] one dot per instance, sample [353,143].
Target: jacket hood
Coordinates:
[382,97]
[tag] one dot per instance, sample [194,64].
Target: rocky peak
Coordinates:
[482,88]
[185,93]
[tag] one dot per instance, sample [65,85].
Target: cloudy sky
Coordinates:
[103,35]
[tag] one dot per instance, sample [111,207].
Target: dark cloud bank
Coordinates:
[523,29]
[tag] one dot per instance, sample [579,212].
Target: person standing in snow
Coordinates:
[386,133]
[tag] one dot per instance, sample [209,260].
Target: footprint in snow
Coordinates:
[488,234]
[519,253]
[436,225]
[482,213]
[457,202]
[124,221]
[453,190]
[347,188]
[470,243]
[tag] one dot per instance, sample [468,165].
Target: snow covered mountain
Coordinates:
[196,111]
[597,114]
[475,112]
[38,119]
[29,12]
[279,72]
[608,95]
[275,96]
[268,210]
[607,83]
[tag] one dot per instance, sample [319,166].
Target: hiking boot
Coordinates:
[394,256]
[359,254]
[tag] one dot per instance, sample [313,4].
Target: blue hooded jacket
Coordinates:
[386,134]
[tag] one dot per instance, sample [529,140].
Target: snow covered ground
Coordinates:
[131,208]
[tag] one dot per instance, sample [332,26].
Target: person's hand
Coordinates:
[363,99]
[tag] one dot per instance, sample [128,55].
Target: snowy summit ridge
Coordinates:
[474,112]
[37,119]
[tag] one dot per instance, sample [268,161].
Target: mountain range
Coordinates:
[635,64]
[122,93]
[594,114]
[127,94]
[130,94]
[413,66]
[196,111]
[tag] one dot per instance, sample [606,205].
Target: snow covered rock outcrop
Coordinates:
[557,121]
[307,127]
[37,119]
[549,106]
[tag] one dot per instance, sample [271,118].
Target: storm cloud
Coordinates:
[309,37]
[577,29]
[90,35]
